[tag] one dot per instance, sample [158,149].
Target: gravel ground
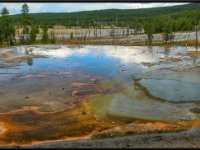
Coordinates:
[185,139]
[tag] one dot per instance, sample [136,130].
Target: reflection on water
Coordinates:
[30,61]
[144,54]
[118,63]
[101,59]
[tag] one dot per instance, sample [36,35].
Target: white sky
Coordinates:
[15,8]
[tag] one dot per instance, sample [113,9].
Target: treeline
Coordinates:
[7,28]
[164,20]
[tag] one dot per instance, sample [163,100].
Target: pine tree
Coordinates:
[1,32]
[33,34]
[25,24]
[45,37]
[7,27]
[149,31]
[52,37]
[168,31]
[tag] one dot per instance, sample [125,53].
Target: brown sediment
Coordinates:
[29,125]
[143,127]
[81,84]
[74,93]
[148,64]
[33,76]
[34,109]
[87,137]
[13,58]
[6,55]
[195,110]
[191,53]
[82,93]
[171,59]
[86,88]
[3,128]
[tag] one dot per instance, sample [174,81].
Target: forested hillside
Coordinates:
[128,17]
[166,20]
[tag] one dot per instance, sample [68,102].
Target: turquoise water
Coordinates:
[177,91]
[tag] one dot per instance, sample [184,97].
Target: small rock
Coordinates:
[158,138]
[195,110]
[19,75]
[83,113]
[86,144]
[16,146]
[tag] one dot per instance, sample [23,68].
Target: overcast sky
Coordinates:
[15,8]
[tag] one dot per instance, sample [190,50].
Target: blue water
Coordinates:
[107,62]
[94,62]
[45,74]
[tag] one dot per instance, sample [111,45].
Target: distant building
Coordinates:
[76,27]
[59,27]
